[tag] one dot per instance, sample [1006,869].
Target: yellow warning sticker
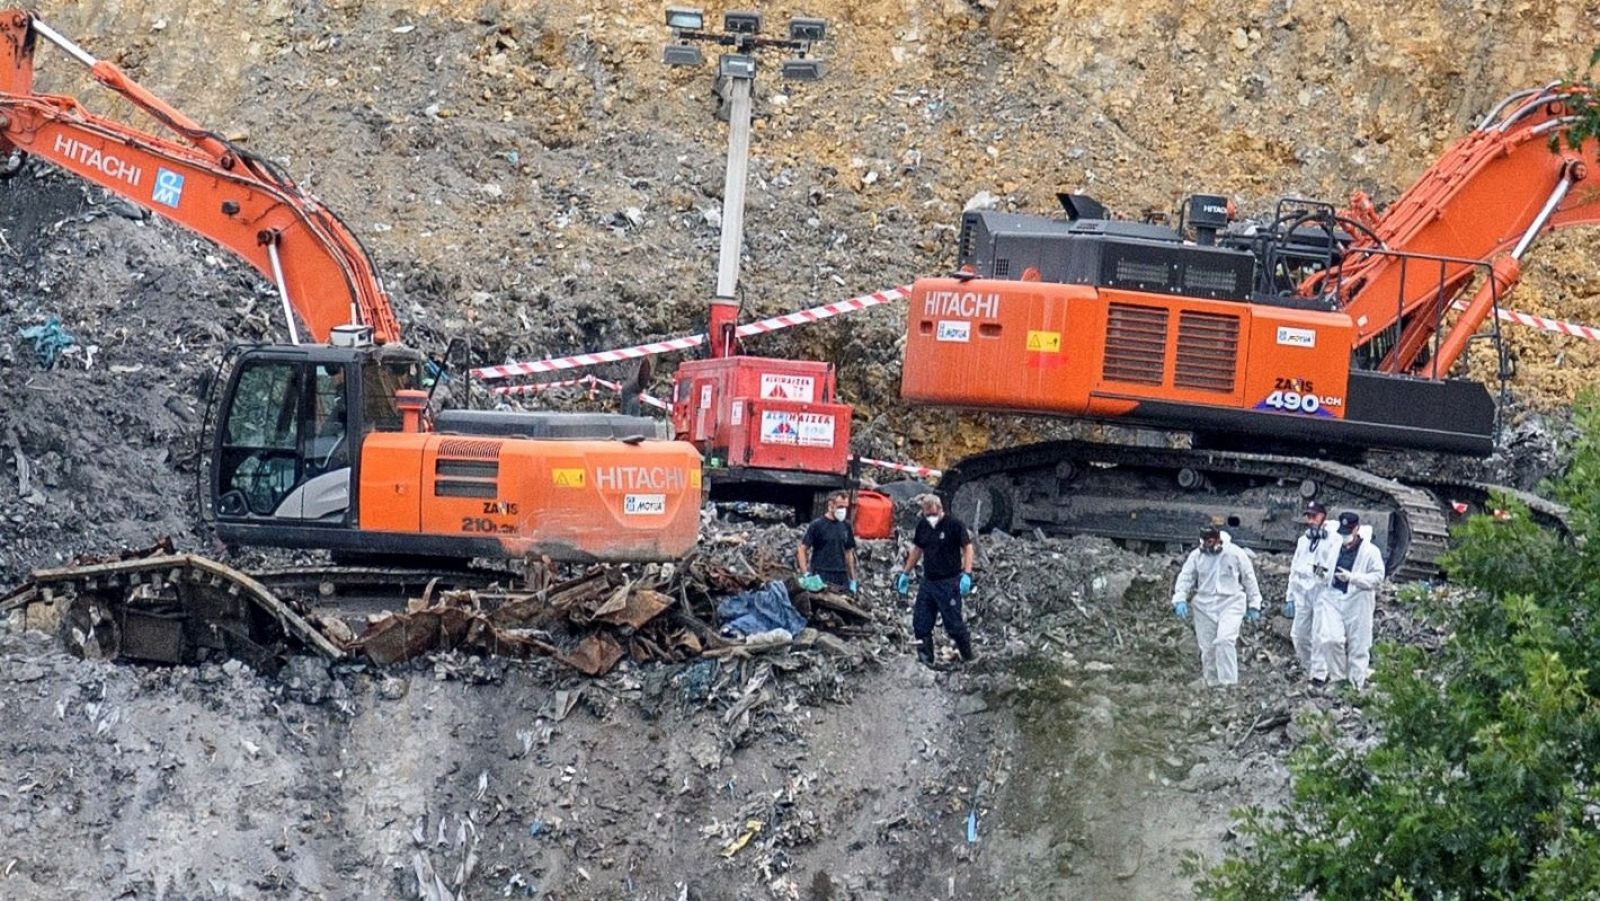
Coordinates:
[567,478]
[1044,342]
[694,477]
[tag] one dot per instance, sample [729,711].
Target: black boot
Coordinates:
[964,645]
[925,651]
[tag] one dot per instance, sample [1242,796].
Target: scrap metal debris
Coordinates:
[155,605]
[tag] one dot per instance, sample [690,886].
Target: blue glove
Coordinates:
[1253,615]
[853,586]
[902,583]
[1181,609]
[966,584]
[1288,609]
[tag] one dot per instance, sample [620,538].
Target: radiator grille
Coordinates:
[467,467]
[470,448]
[1208,351]
[1136,344]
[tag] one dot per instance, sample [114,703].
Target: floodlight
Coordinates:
[685,18]
[741,22]
[733,65]
[802,69]
[682,55]
[805,28]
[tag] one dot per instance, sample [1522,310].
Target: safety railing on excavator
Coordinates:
[1427,343]
[1416,346]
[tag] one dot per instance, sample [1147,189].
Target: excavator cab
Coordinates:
[324,447]
[293,419]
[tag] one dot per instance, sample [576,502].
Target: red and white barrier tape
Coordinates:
[902,467]
[826,311]
[815,314]
[1559,326]
[1551,325]
[590,380]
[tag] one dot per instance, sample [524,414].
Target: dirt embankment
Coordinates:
[1079,758]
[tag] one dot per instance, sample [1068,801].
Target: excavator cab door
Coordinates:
[286,441]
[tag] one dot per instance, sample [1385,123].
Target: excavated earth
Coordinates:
[528,176]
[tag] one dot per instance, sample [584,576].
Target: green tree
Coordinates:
[1484,781]
[1585,94]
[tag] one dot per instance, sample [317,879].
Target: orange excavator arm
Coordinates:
[1481,205]
[201,181]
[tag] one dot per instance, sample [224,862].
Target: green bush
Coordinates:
[1483,783]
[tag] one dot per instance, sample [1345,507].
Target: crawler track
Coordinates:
[184,608]
[1157,496]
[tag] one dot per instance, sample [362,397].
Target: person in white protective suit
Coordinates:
[1344,630]
[1312,567]
[1221,581]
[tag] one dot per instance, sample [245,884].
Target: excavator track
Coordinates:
[1478,497]
[1070,487]
[185,608]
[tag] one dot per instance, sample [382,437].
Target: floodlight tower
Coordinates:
[736,73]
[770,430]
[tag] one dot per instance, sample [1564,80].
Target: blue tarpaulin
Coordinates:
[761,610]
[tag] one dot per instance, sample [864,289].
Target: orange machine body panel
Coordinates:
[571,500]
[1076,350]
[763,413]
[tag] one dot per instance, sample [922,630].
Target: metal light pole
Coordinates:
[739,109]
[741,31]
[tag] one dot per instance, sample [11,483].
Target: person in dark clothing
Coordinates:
[828,549]
[944,546]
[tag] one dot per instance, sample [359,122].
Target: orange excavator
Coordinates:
[330,444]
[1286,346]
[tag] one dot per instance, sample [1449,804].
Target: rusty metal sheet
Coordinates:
[638,608]
[399,637]
[595,655]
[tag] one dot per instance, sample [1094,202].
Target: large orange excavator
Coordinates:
[328,444]
[1287,346]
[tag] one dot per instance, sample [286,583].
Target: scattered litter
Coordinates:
[752,828]
[49,340]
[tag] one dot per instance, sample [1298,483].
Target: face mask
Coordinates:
[933,521]
[1351,539]
[1212,549]
[1316,533]
[841,514]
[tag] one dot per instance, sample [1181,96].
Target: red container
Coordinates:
[874,515]
[763,413]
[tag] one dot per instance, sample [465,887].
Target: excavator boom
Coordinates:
[1487,198]
[200,181]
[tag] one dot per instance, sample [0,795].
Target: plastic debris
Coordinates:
[752,828]
[49,340]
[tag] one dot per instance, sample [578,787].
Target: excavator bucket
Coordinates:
[16,53]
